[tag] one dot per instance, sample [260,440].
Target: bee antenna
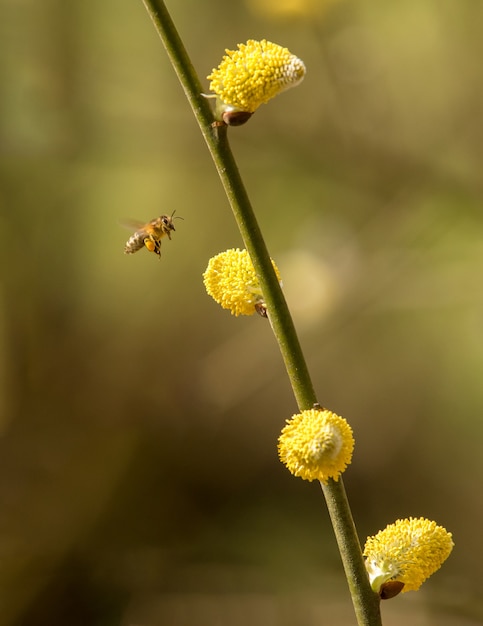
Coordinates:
[178,217]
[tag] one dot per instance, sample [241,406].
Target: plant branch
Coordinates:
[365,602]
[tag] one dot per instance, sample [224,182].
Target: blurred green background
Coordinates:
[139,480]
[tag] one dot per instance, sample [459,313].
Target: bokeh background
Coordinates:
[139,480]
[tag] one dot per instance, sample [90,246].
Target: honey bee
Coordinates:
[149,235]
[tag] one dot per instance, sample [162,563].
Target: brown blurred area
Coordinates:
[139,480]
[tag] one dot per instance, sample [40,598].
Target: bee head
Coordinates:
[168,220]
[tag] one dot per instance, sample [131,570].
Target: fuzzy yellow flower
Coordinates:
[316,445]
[252,75]
[231,281]
[406,552]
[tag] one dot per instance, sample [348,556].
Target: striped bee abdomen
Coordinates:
[135,242]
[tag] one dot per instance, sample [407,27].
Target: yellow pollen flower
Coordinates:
[231,281]
[316,445]
[255,73]
[408,551]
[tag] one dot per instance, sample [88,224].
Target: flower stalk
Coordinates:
[366,602]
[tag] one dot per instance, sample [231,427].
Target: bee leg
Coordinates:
[150,244]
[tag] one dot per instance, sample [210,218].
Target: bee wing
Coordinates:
[132,224]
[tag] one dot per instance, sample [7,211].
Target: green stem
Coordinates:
[365,602]
[182,65]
